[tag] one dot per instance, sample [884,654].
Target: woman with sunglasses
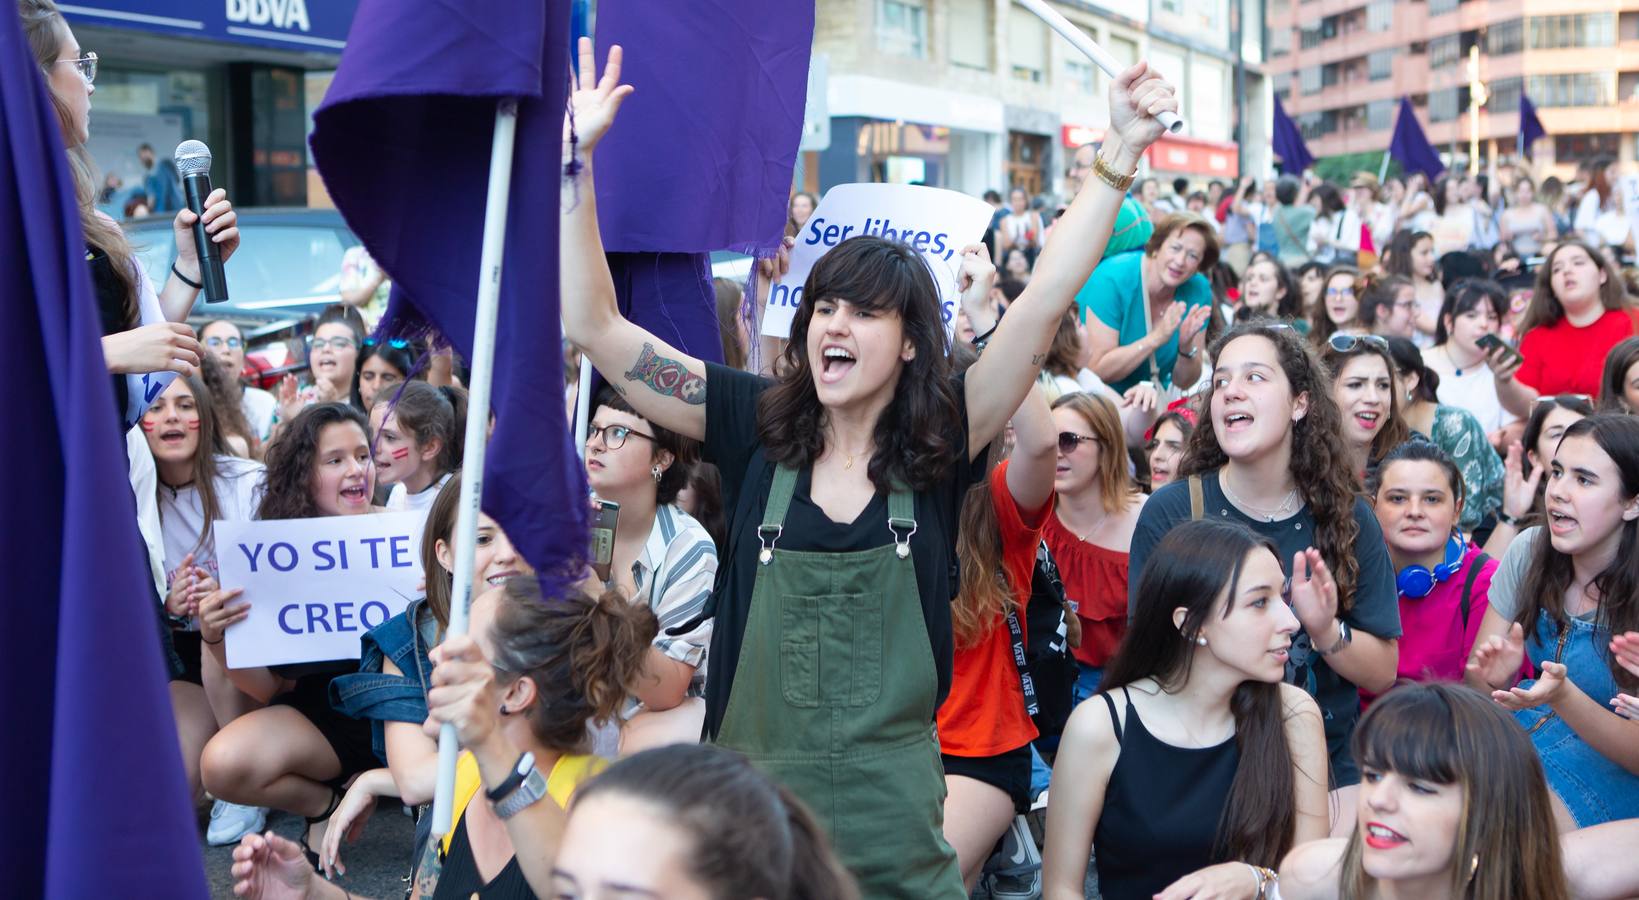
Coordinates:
[1452,429]
[1339,308]
[382,366]
[1558,597]
[1095,509]
[662,558]
[1363,387]
[1579,311]
[1273,457]
[146,340]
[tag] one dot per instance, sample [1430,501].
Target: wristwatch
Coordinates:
[523,788]
[1344,636]
[1504,518]
[1190,354]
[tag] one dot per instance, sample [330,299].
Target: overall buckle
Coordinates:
[767,535]
[902,543]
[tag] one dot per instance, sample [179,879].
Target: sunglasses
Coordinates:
[395,343]
[1069,441]
[1566,398]
[1347,343]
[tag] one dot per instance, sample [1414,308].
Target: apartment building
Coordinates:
[979,94]
[1340,68]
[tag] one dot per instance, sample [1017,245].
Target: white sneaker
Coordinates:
[231,821]
[1015,866]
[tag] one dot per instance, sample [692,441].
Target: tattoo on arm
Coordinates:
[432,865]
[667,377]
[1038,359]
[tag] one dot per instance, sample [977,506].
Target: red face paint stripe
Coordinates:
[147,425]
[193,425]
[401,452]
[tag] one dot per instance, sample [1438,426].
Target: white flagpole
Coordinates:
[583,405]
[472,469]
[1079,39]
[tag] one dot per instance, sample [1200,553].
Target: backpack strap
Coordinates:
[1197,499]
[1468,585]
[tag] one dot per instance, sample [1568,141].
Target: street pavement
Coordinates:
[376,865]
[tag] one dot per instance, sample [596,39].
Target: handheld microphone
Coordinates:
[193,162]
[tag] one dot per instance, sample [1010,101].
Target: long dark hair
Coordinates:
[440,526]
[752,837]
[1466,294]
[1192,566]
[1321,464]
[1397,256]
[1545,308]
[1507,845]
[228,405]
[1395,430]
[290,460]
[916,436]
[1290,304]
[1550,572]
[205,468]
[1408,360]
[1613,384]
[1321,325]
[583,653]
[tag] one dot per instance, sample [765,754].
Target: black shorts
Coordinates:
[349,738]
[188,648]
[1008,772]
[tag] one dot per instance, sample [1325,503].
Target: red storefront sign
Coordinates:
[1075,135]
[1193,156]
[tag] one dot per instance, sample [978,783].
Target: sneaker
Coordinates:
[231,821]
[1015,867]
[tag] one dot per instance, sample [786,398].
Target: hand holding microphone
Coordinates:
[207,230]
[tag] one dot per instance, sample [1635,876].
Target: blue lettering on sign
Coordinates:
[319,551]
[151,388]
[332,618]
[251,556]
[375,563]
[399,547]
[317,614]
[382,614]
[285,626]
[344,617]
[781,295]
[272,558]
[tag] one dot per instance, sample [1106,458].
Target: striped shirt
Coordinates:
[675,573]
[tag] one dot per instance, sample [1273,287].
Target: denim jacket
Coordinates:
[372,694]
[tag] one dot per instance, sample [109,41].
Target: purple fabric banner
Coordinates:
[1530,127]
[1411,147]
[1287,143]
[90,766]
[403,141]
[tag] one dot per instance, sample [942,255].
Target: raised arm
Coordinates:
[663,384]
[998,382]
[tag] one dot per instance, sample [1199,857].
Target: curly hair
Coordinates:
[290,460]
[1321,462]
[918,435]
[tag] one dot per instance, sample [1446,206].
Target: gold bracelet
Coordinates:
[1107,174]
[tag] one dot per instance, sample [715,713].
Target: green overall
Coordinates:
[834,697]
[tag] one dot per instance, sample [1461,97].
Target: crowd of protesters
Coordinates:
[1279,539]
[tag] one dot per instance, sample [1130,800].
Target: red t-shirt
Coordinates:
[1564,359]
[1095,581]
[984,713]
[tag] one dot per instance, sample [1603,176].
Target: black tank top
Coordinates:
[1161,810]
[459,879]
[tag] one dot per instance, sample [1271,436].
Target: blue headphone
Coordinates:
[1417,582]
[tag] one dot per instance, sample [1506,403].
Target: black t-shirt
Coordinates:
[732,443]
[1375,611]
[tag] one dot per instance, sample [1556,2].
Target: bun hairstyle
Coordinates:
[1506,845]
[685,451]
[1321,464]
[916,437]
[290,460]
[430,413]
[583,654]
[752,837]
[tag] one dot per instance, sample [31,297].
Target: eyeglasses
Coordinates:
[87,65]
[1346,343]
[1069,441]
[1189,255]
[335,343]
[231,343]
[1565,398]
[1406,304]
[614,436]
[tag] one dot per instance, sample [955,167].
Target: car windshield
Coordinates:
[285,264]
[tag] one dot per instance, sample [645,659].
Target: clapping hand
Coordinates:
[1519,491]
[1544,690]
[1313,594]
[1497,659]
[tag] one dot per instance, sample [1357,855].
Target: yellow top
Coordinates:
[566,775]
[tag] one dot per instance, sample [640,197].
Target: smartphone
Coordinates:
[605,515]
[1490,342]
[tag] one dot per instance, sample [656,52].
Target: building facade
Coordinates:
[1340,68]
[980,94]
[240,75]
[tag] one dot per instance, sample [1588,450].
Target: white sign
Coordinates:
[935,221]
[315,586]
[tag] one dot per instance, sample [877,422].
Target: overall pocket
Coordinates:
[831,650]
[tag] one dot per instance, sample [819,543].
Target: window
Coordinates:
[1329,75]
[902,28]
[1380,114]
[970,31]
[1125,50]
[1585,30]
[1504,95]
[1309,80]
[1380,15]
[1435,7]
[1026,44]
[1586,146]
[1380,64]
[1444,105]
[1078,74]
[1580,89]
[1280,42]
[1505,37]
[1444,50]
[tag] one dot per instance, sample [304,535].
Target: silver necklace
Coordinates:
[1269,515]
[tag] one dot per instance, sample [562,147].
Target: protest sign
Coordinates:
[935,221]
[315,586]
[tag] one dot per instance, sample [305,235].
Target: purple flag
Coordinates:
[702,154]
[1287,143]
[403,141]
[1530,127]
[90,767]
[1411,147]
